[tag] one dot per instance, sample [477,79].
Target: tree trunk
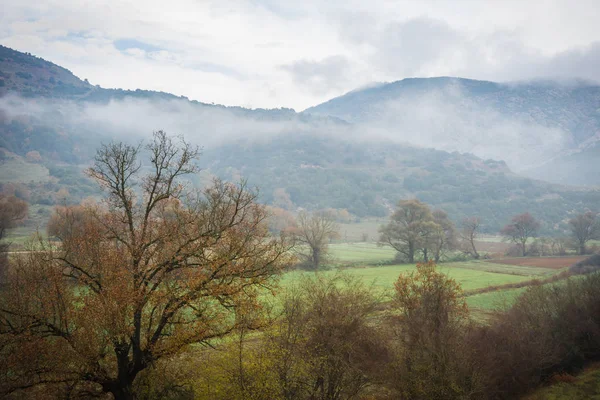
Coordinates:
[475,253]
[122,392]
[411,253]
[582,249]
[425,256]
[122,386]
[316,258]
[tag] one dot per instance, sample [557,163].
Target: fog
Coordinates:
[448,120]
[445,120]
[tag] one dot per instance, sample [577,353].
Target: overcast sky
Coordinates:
[298,53]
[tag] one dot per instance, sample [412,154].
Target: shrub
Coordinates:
[551,329]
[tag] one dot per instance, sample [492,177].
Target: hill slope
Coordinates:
[368,178]
[316,161]
[525,124]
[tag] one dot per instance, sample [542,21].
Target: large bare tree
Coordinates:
[314,231]
[137,278]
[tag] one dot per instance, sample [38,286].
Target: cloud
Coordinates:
[233,52]
[415,46]
[426,47]
[444,119]
[322,76]
[127,44]
[448,120]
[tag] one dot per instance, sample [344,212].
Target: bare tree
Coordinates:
[315,231]
[521,228]
[469,233]
[584,227]
[158,269]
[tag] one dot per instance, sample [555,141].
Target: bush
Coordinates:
[590,264]
[551,329]
[432,355]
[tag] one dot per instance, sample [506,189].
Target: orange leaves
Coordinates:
[429,290]
[140,277]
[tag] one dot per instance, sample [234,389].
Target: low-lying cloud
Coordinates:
[445,120]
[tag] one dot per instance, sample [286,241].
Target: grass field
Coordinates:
[383,278]
[494,300]
[354,232]
[365,252]
[361,260]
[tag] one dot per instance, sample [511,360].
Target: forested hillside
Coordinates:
[51,121]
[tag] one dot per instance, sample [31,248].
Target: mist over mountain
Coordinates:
[526,124]
[442,140]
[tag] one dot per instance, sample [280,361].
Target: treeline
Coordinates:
[417,232]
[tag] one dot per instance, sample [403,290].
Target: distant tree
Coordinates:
[12,212]
[282,199]
[470,231]
[559,245]
[584,227]
[408,228]
[444,237]
[281,220]
[315,231]
[430,234]
[33,156]
[521,228]
[158,268]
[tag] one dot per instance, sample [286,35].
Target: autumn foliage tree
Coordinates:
[322,345]
[521,228]
[137,278]
[433,317]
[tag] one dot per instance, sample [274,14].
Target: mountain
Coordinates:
[51,124]
[525,124]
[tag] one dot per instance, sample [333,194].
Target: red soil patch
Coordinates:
[542,262]
[492,247]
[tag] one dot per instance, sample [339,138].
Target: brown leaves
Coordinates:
[142,276]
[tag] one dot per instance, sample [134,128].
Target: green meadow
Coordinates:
[371,264]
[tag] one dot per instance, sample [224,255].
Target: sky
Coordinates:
[296,54]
